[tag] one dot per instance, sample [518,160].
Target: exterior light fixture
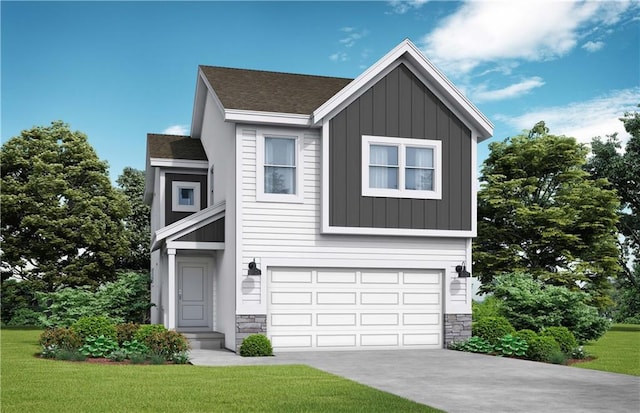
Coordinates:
[462,271]
[253,268]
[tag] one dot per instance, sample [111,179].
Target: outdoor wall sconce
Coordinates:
[462,271]
[253,269]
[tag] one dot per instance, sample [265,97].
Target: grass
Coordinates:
[618,351]
[32,384]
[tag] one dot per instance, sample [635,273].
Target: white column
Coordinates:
[171,271]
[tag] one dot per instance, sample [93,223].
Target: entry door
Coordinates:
[194,293]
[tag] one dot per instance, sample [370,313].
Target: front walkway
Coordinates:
[463,382]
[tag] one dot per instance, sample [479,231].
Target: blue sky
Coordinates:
[118,70]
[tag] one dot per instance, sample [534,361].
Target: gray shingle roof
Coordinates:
[175,147]
[271,91]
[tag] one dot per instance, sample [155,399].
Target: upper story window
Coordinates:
[185,196]
[401,167]
[278,173]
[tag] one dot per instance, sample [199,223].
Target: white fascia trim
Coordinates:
[195,245]
[179,163]
[239,176]
[203,217]
[414,55]
[399,232]
[270,118]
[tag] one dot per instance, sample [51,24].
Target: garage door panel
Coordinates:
[420,298]
[377,319]
[342,277]
[352,308]
[300,320]
[380,278]
[345,319]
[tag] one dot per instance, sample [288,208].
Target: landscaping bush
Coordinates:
[100,346]
[134,347]
[256,345]
[529,304]
[526,334]
[492,328]
[542,348]
[489,307]
[180,358]
[472,345]
[145,330]
[19,303]
[565,338]
[24,316]
[66,306]
[511,346]
[166,343]
[60,338]
[95,326]
[126,332]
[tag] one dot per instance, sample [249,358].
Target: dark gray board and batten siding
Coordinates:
[399,105]
[213,232]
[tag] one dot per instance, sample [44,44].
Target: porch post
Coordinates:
[171,255]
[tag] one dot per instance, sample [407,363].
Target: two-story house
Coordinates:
[327,213]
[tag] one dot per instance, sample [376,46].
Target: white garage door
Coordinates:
[354,309]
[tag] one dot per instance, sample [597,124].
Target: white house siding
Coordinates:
[288,235]
[218,141]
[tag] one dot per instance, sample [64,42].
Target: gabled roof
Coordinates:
[406,52]
[175,147]
[257,90]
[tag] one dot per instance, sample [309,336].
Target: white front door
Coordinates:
[194,292]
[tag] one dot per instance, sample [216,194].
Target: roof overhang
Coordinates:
[188,225]
[407,52]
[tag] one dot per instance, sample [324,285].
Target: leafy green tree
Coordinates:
[539,212]
[622,170]
[62,220]
[137,223]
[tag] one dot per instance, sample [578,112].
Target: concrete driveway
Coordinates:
[463,382]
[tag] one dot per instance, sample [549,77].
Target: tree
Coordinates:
[137,223]
[540,213]
[622,170]
[62,220]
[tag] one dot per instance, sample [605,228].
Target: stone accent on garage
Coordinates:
[457,327]
[248,324]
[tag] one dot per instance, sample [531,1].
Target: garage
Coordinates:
[334,309]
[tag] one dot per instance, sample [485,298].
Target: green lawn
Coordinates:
[31,384]
[618,351]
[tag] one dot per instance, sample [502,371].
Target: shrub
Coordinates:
[25,317]
[19,300]
[558,357]
[181,357]
[542,348]
[127,298]
[49,352]
[511,346]
[489,307]
[94,327]
[71,355]
[66,306]
[526,334]
[565,338]
[492,328]
[529,304]
[146,330]
[134,347]
[157,358]
[473,345]
[126,332]
[166,343]
[579,353]
[256,345]
[117,355]
[99,346]
[138,358]
[60,338]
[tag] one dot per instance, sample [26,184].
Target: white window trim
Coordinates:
[175,188]
[261,195]
[402,144]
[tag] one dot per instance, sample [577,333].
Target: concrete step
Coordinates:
[204,340]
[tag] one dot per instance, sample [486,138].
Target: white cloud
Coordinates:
[176,130]
[481,94]
[403,6]
[583,120]
[592,46]
[352,36]
[481,32]
[339,57]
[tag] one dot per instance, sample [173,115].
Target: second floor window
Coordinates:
[279,165]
